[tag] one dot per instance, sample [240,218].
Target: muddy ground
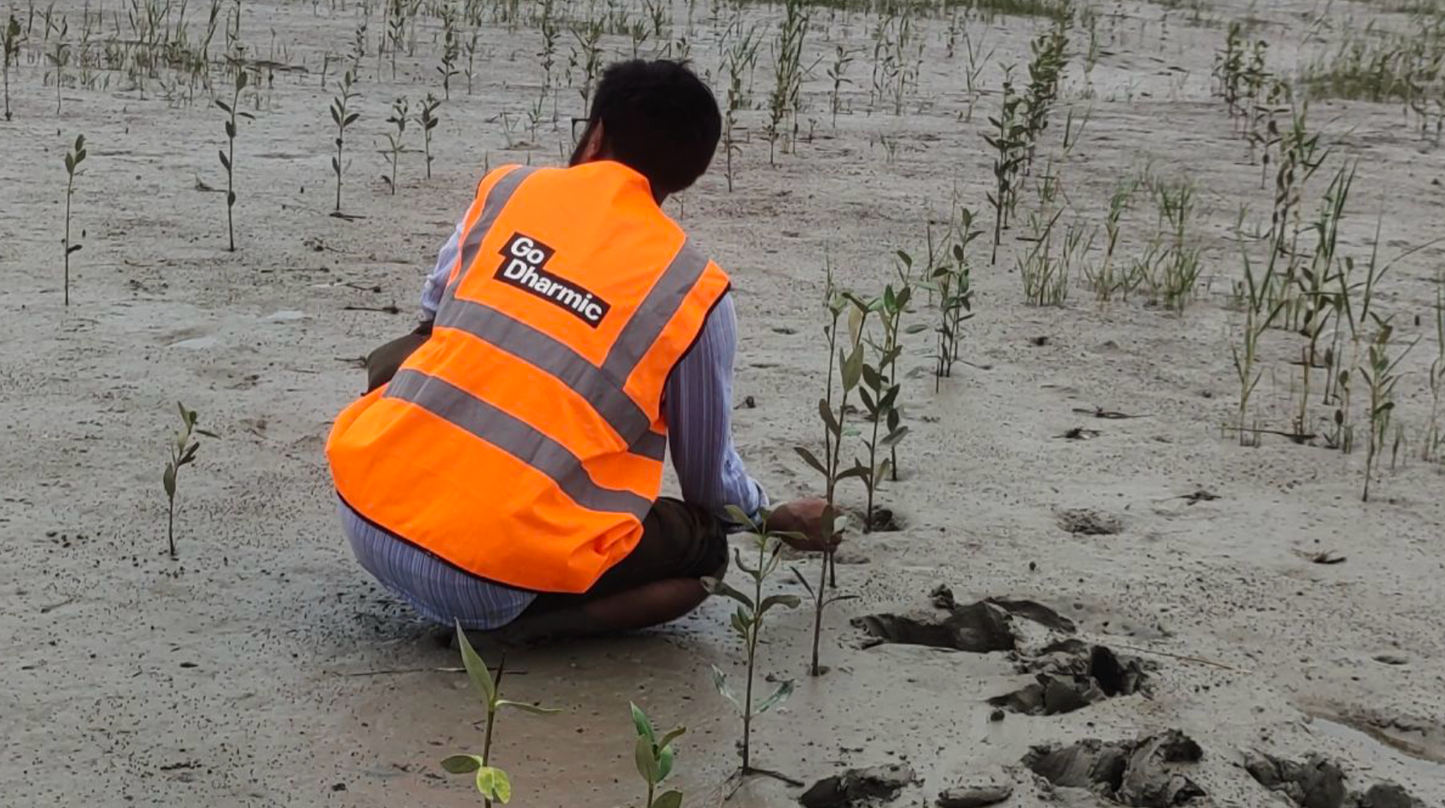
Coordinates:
[263,668]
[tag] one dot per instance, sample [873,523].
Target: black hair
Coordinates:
[659,119]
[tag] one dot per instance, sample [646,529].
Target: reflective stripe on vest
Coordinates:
[524,441]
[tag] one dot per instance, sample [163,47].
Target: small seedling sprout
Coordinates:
[748,622]
[228,157]
[342,117]
[183,453]
[11,53]
[492,782]
[73,159]
[654,757]
[395,143]
[427,119]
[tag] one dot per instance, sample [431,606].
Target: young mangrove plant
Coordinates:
[1380,375]
[846,365]
[1009,143]
[740,59]
[838,75]
[11,53]
[748,622]
[788,73]
[492,782]
[342,117]
[451,50]
[59,57]
[879,393]
[183,453]
[73,159]
[1259,315]
[427,119]
[1436,382]
[395,140]
[654,757]
[228,157]
[955,298]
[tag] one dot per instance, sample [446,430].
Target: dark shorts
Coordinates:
[678,541]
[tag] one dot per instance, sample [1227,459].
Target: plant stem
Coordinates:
[818,603]
[753,633]
[171,526]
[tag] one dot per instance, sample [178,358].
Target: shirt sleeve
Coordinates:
[697,404]
[436,282]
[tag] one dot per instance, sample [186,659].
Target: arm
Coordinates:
[697,404]
[382,363]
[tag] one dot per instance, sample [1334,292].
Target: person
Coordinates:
[505,468]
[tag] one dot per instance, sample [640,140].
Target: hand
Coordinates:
[804,517]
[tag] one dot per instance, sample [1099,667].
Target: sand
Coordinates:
[264,668]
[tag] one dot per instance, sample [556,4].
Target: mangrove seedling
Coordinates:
[879,393]
[228,157]
[492,782]
[748,622]
[1259,315]
[849,369]
[395,144]
[11,53]
[58,59]
[342,117]
[1380,377]
[954,287]
[73,159]
[451,49]
[183,453]
[654,758]
[1008,142]
[427,119]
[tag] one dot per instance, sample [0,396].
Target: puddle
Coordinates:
[1415,759]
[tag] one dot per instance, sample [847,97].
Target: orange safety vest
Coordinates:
[524,441]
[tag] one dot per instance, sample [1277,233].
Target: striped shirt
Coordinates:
[697,406]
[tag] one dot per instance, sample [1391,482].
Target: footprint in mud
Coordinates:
[1086,522]
[859,787]
[980,627]
[1144,773]
[1071,675]
[1318,782]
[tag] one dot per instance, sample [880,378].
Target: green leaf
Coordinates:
[646,763]
[462,764]
[494,784]
[804,581]
[852,369]
[670,799]
[779,696]
[641,722]
[225,162]
[476,668]
[224,106]
[810,459]
[790,601]
[527,708]
[829,420]
[169,481]
[717,586]
[664,763]
[895,436]
[720,681]
[739,516]
[671,736]
[740,623]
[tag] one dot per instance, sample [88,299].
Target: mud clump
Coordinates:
[979,627]
[1086,522]
[1318,782]
[1139,773]
[1071,675]
[855,788]
[975,796]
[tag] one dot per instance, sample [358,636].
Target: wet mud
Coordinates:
[1147,773]
[858,788]
[1086,522]
[1318,782]
[980,627]
[1071,675]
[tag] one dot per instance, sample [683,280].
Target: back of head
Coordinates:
[659,119]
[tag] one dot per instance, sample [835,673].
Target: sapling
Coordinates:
[1433,438]
[1008,144]
[12,41]
[748,622]
[654,757]
[58,58]
[394,140]
[228,157]
[342,117]
[879,393]
[1259,315]
[845,364]
[954,287]
[426,118]
[183,453]
[73,159]
[838,74]
[451,50]
[492,782]
[1380,376]
[788,73]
